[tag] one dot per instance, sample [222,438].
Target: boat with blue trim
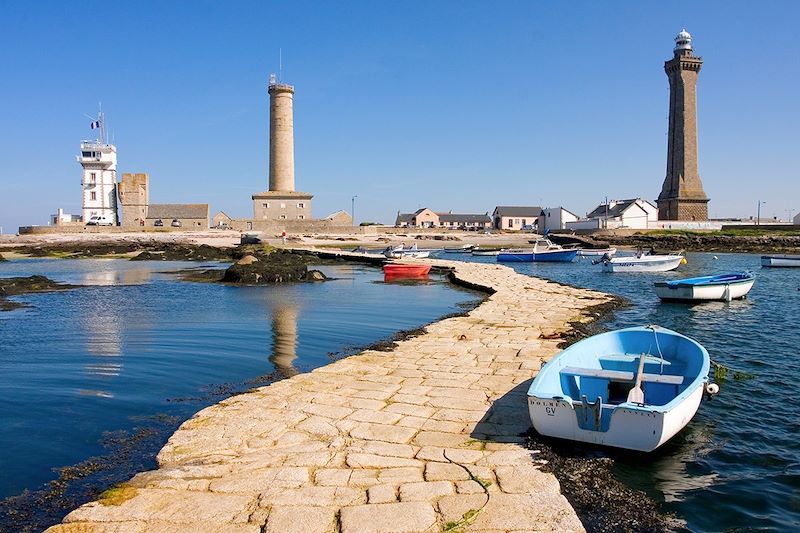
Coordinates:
[721,287]
[632,388]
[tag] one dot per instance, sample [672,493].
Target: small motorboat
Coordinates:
[406,270]
[543,250]
[724,287]
[485,251]
[596,252]
[642,263]
[632,388]
[518,255]
[780,260]
[459,249]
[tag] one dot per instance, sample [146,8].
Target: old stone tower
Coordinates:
[682,196]
[281,202]
[134,197]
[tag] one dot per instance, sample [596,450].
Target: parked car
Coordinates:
[158,223]
[175,223]
[100,220]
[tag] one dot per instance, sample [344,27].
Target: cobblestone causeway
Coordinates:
[423,438]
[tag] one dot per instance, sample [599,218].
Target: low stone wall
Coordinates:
[425,437]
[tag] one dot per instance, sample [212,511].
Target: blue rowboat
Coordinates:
[724,287]
[632,388]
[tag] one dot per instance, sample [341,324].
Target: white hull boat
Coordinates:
[645,263]
[632,388]
[780,260]
[722,287]
[596,252]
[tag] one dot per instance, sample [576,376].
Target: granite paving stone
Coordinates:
[408,440]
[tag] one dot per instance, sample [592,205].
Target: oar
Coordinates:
[636,394]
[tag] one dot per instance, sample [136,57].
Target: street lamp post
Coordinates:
[758,213]
[353,209]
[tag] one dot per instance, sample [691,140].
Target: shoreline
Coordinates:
[370,428]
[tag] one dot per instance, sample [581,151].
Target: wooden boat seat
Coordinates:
[630,358]
[620,375]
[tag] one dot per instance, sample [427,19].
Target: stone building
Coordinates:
[281,202]
[682,196]
[137,211]
[134,197]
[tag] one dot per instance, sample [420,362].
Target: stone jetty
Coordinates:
[425,437]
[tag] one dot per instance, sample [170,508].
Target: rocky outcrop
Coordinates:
[275,267]
[712,242]
[17,286]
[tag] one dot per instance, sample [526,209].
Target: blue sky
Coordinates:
[451,105]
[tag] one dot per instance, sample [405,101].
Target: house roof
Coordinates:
[613,211]
[171,211]
[404,217]
[517,211]
[335,214]
[463,219]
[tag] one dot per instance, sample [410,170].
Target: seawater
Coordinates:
[736,466]
[136,342]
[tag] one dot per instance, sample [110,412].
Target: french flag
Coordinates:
[95,125]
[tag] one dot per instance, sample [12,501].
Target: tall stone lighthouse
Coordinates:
[281,202]
[682,196]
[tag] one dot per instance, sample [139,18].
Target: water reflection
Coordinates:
[116,276]
[284,338]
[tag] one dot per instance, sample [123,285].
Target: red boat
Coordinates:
[405,270]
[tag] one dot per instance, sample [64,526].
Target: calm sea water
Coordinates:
[736,466]
[138,342]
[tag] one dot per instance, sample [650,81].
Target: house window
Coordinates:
[93,177]
[283,205]
[301,205]
[283,217]
[523,221]
[93,195]
[266,206]
[301,217]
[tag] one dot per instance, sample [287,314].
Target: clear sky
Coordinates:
[453,105]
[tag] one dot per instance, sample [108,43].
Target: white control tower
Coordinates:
[99,183]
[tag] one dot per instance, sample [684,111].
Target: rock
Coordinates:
[247,260]
[315,275]
[15,286]
[2,258]
[273,268]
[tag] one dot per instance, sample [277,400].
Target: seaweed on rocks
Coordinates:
[26,285]
[126,454]
[603,504]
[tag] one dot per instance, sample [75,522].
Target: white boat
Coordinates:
[543,251]
[643,263]
[465,249]
[598,252]
[632,388]
[485,251]
[780,260]
[724,287]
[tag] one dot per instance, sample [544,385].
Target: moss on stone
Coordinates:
[117,495]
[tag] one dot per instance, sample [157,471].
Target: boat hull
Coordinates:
[701,292]
[588,392]
[648,263]
[630,427]
[400,270]
[551,256]
[595,252]
[780,260]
